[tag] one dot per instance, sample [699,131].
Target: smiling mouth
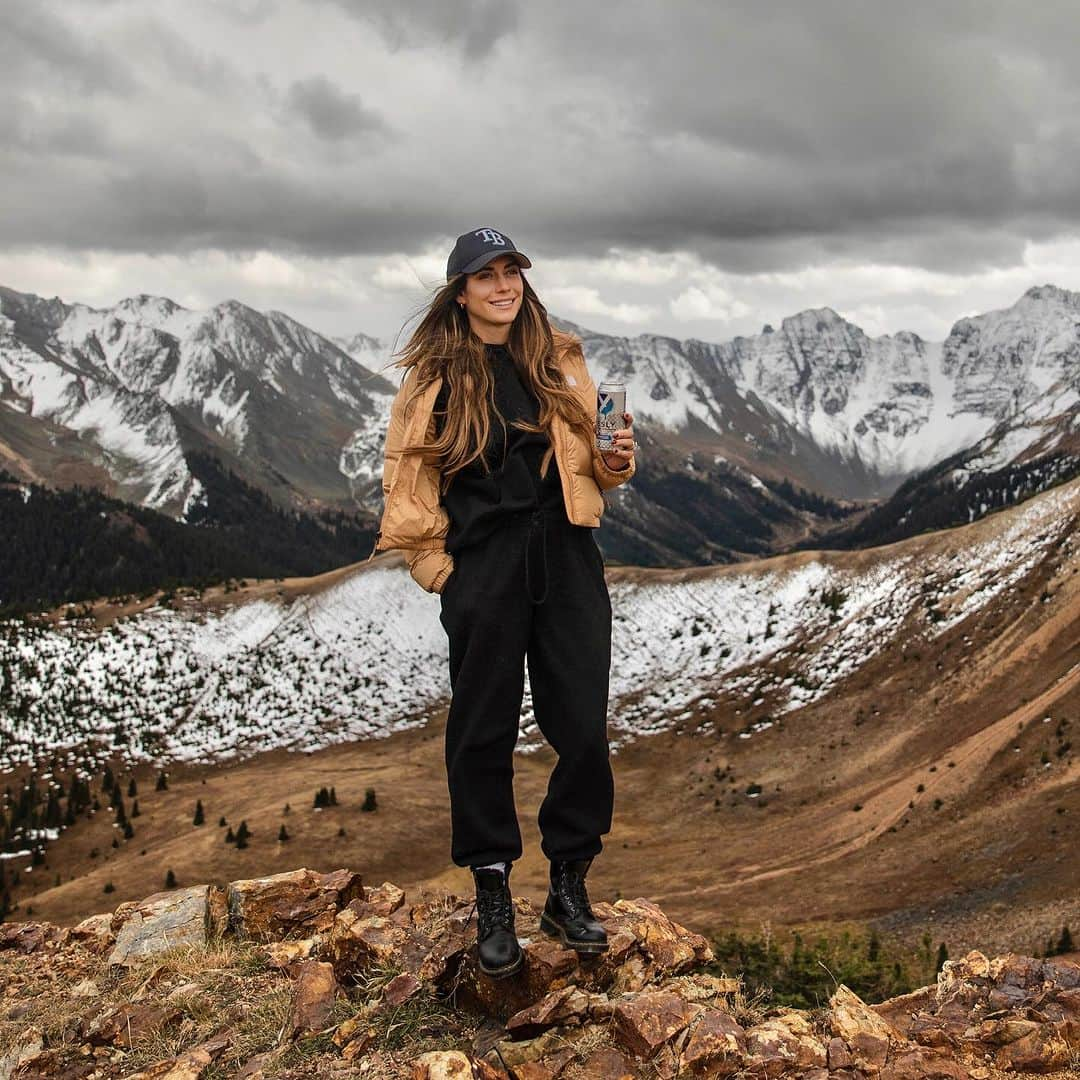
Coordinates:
[502,303]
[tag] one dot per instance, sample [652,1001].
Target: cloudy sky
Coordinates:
[689,168]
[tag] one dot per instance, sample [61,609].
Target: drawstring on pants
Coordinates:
[538,518]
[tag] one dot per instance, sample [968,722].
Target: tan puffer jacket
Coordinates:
[413,517]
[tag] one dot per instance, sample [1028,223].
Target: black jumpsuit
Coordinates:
[527,584]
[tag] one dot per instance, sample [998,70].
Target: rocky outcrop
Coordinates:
[357,966]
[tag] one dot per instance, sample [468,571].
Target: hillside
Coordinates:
[932,687]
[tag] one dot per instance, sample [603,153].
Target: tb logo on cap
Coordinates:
[490,236]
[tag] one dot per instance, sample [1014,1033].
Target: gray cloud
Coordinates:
[329,112]
[758,137]
[475,25]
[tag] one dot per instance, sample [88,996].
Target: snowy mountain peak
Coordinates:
[1053,293]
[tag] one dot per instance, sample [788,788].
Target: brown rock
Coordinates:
[900,1011]
[1005,1031]
[191,1065]
[296,903]
[541,1070]
[716,1044]
[838,1056]
[608,1064]
[671,946]
[486,1070]
[442,1065]
[782,1041]
[384,900]
[400,988]
[867,1035]
[163,921]
[929,1030]
[702,988]
[570,1005]
[644,1023]
[283,954]
[47,1066]
[513,1054]
[314,993]
[95,933]
[922,1063]
[1050,1047]
[28,938]
[1062,973]
[360,1045]
[357,941]
[124,1025]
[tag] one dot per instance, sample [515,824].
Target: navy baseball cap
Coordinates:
[477,248]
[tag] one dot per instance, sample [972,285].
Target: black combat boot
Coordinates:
[497,944]
[567,914]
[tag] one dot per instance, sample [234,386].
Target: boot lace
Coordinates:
[574,896]
[494,910]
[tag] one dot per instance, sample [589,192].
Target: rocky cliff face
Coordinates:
[303,974]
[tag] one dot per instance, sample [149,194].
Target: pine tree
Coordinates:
[1065,942]
[288,808]
[283,834]
[108,781]
[333,797]
[121,814]
[322,798]
[200,817]
[132,789]
[170,880]
[162,782]
[129,831]
[135,808]
[109,887]
[341,831]
[242,835]
[369,800]
[230,837]
[222,822]
[942,956]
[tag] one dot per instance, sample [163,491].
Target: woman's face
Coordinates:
[492,298]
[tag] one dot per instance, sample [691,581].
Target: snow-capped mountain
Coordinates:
[853,416]
[128,398]
[128,392]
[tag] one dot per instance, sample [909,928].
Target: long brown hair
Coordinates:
[444,346]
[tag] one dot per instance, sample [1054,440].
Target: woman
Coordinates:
[493,487]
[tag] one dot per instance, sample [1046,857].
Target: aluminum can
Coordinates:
[610,405]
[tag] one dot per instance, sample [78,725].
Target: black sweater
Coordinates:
[479,503]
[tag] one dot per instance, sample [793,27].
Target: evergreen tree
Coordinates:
[1065,942]
[129,831]
[341,831]
[162,782]
[230,837]
[369,800]
[170,880]
[242,834]
[121,814]
[108,781]
[132,789]
[333,797]
[283,834]
[200,817]
[222,822]
[942,956]
[108,887]
[135,808]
